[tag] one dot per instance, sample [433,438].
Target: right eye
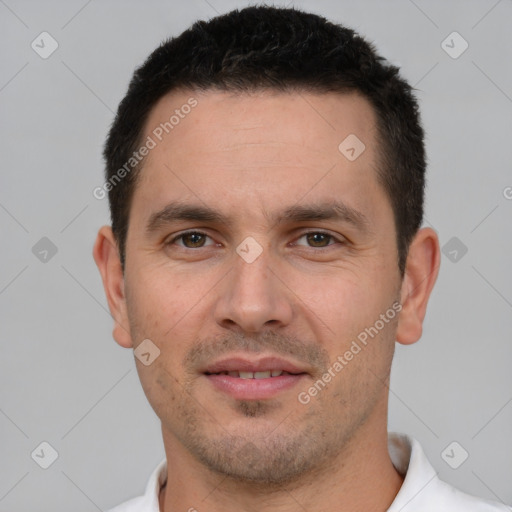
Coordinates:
[191,240]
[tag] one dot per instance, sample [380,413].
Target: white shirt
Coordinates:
[421,491]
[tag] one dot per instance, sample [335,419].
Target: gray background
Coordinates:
[63,379]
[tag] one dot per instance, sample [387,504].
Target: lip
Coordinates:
[253,389]
[246,365]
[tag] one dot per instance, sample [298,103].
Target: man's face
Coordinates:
[263,164]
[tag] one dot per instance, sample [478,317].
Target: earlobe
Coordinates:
[106,256]
[421,272]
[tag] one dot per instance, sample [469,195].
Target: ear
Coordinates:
[106,256]
[422,268]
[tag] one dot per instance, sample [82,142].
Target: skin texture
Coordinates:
[305,299]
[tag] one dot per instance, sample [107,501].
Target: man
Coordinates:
[265,175]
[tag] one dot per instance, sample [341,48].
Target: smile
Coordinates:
[253,375]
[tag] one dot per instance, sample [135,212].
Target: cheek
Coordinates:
[166,307]
[342,301]
[157,299]
[345,311]
[161,388]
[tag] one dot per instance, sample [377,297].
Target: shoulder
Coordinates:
[448,498]
[422,490]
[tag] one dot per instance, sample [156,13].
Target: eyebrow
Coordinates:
[332,210]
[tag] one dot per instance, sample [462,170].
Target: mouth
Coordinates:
[266,374]
[245,379]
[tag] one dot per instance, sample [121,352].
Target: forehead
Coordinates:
[219,121]
[267,146]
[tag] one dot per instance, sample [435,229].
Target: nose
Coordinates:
[253,297]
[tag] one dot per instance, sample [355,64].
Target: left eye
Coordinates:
[317,239]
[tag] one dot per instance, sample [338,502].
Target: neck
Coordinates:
[359,478]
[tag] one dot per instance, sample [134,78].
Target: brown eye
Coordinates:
[191,240]
[318,239]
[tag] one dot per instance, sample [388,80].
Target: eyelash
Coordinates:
[194,232]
